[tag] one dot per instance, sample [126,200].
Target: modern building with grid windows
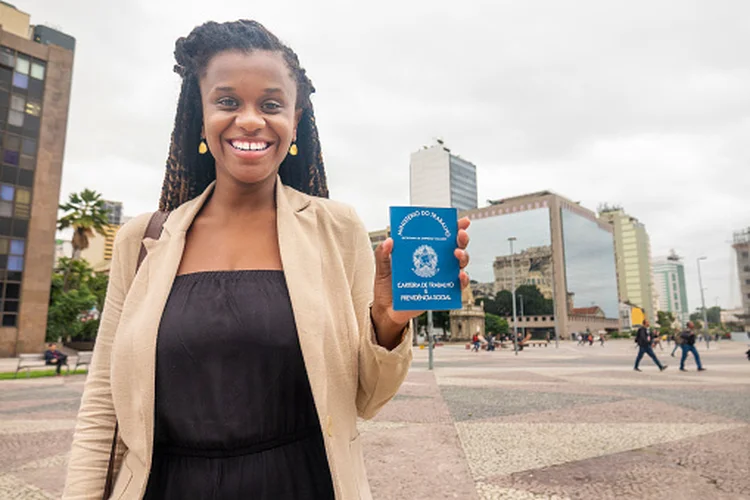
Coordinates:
[438,178]
[36,64]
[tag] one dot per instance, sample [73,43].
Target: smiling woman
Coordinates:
[237,349]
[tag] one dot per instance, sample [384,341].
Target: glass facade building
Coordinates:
[562,265]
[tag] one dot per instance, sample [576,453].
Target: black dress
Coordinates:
[234,413]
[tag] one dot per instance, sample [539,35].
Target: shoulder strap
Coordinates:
[153,231]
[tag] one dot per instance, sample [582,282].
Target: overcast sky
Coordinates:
[645,104]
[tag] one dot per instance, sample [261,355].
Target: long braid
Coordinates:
[189,173]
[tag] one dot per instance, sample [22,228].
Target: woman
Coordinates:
[257,329]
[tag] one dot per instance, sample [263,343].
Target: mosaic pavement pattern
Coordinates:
[568,423]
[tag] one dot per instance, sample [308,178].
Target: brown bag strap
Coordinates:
[153,231]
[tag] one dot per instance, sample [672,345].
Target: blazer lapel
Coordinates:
[300,256]
[160,267]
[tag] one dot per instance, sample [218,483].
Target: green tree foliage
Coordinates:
[85,213]
[75,290]
[534,303]
[494,324]
[665,320]
[712,313]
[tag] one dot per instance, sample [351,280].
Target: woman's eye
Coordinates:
[227,102]
[271,106]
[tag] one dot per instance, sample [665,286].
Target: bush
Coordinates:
[76,290]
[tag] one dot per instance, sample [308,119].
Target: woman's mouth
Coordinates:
[243,145]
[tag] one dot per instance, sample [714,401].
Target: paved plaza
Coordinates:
[574,422]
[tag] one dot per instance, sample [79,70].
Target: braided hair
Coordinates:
[189,173]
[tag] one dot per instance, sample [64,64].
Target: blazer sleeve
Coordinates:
[381,371]
[92,440]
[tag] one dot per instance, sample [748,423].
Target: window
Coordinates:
[747,269]
[3,246]
[6,209]
[27,162]
[22,65]
[7,193]
[29,147]
[12,291]
[17,247]
[6,77]
[20,81]
[17,102]
[20,228]
[15,118]
[9,320]
[35,88]
[4,226]
[37,71]
[7,57]
[15,263]
[747,282]
[10,174]
[33,108]
[745,255]
[10,157]
[26,178]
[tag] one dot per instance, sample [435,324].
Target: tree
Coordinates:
[86,215]
[75,291]
[665,320]
[534,303]
[712,313]
[495,324]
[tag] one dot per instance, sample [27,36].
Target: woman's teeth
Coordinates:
[249,146]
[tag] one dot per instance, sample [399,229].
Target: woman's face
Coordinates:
[249,115]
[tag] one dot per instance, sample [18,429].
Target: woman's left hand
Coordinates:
[389,323]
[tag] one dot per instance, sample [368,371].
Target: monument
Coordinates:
[468,320]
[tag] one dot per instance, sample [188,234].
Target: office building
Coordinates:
[669,281]
[99,252]
[633,258]
[36,65]
[114,211]
[561,249]
[438,178]
[741,245]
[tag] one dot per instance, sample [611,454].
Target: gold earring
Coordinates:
[293,150]
[203,147]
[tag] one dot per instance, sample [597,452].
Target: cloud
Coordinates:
[641,103]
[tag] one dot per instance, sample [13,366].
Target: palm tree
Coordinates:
[86,215]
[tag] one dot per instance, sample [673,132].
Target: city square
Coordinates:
[549,423]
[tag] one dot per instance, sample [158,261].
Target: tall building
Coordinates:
[669,281]
[438,178]
[633,258]
[36,67]
[99,252]
[114,211]
[741,245]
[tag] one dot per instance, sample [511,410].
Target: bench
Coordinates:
[27,361]
[84,359]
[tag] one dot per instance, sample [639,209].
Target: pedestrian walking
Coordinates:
[236,360]
[677,341]
[688,346]
[657,339]
[643,339]
[601,339]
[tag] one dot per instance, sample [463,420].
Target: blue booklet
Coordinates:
[425,269]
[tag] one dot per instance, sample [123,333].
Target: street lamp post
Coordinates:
[430,340]
[703,298]
[513,293]
[520,300]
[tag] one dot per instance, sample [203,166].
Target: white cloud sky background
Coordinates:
[639,103]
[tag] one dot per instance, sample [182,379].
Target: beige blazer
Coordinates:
[329,268]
